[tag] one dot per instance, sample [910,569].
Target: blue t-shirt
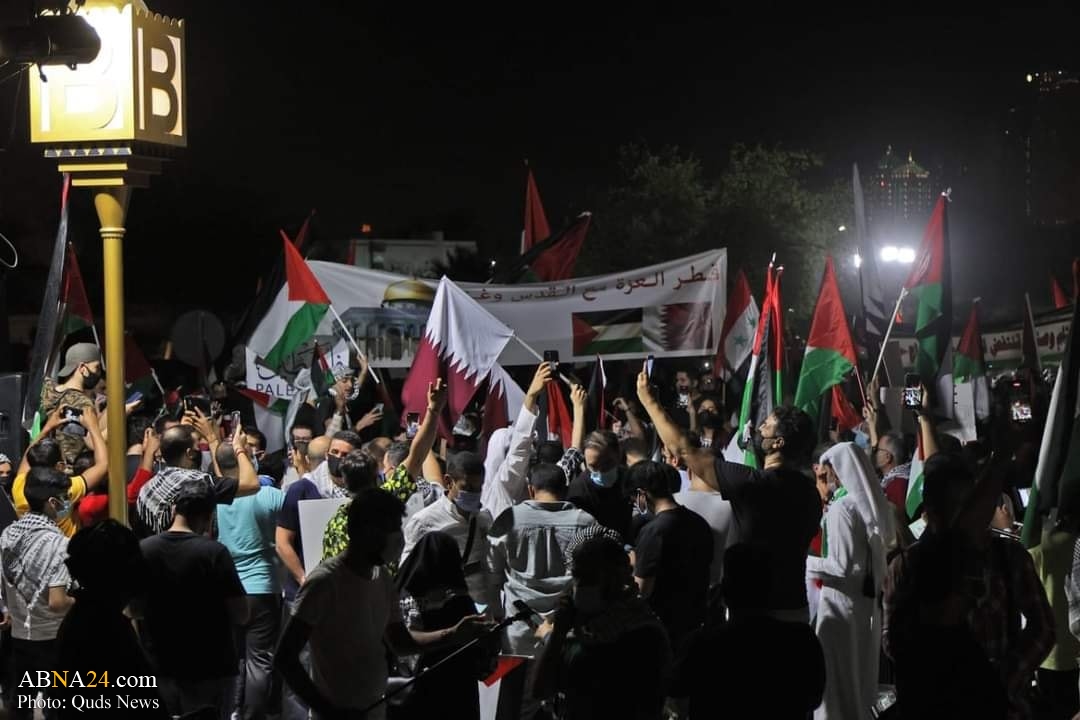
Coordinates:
[289,519]
[247,528]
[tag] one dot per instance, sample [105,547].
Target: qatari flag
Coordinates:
[461,344]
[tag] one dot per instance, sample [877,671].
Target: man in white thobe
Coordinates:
[851,570]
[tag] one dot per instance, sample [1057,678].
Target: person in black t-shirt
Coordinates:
[601,489]
[193,601]
[777,507]
[673,554]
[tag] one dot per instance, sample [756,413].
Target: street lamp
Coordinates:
[107,123]
[857,260]
[901,255]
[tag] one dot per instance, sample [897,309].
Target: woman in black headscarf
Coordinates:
[434,578]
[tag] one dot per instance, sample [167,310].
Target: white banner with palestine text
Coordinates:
[674,309]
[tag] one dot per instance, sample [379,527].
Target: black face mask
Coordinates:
[709,419]
[91,379]
[333,464]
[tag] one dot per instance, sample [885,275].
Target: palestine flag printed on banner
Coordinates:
[672,327]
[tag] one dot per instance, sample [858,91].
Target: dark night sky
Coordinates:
[418,119]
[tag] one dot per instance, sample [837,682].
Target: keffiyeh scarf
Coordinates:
[32,551]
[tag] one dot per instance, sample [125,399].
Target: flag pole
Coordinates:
[888,333]
[528,348]
[356,347]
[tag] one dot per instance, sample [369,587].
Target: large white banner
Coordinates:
[674,309]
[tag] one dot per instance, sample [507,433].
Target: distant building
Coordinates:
[899,194]
[1053,147]
[415,258]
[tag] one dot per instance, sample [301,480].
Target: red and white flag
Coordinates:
[461,344]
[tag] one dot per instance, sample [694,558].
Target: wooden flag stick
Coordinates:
[888,333]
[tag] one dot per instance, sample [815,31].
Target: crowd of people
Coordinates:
[640,573]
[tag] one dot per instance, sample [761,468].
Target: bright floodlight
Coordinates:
[857,259]
[842,228]
[905,255]
[1029,77]
[889,253]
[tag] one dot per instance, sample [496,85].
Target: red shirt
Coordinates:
[93,509]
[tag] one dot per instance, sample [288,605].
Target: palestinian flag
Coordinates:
[295,315]
[968,367]
[269,417]
[138,373]
[560,420]
[46,348]
[77,314]
[930,283]
[1029,345]
[1060,300]
[1057,474]
[322,375]
[596,402]
[536,224]
[608,332]
[830,352]
[764,381]
[915,480]
[551,260]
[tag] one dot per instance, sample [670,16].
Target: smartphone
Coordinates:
[378,407]
[1021,412]
[912,397]
[412,424]
[194,402]
[134,397]
[71,414]
[552,356]
[649,365]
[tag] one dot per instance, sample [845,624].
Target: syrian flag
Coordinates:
[269,417]
[764,380]
[461,344]
[46,346]
[1060,300]
[295,315]
[1057,474]
[740,325]
[968,366]
[77,314]
[830,352]
[875,312]
[536,225]
[931,284]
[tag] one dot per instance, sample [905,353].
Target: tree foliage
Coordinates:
[764,200]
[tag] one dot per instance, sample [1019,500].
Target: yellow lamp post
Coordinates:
[110,124]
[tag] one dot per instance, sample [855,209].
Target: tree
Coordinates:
[656,211]
[765,204]
[765,200]
[462,265]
